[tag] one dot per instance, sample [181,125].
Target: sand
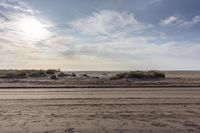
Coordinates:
[100,105]
[100,110]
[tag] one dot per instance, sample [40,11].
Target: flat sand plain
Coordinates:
[101,105]
[100,110]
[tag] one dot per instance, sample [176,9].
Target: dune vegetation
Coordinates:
[9,74]
[139,75]
[56,74]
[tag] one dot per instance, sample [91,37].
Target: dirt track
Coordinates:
[109,110]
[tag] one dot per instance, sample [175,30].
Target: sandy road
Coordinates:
[109,110]
[87,93]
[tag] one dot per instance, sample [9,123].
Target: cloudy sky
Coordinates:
[100,34]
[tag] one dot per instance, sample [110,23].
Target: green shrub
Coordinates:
[61,74]
[118,76]
[51,71]
[39,73]
[73,75]
[2,72]
[121,75]
[145,74]
[9,75]
[158,74]
[139,75]
[21,74]
[14,75]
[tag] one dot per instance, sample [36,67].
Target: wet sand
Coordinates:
[100,110]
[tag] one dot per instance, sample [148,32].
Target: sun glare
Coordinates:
[33,29]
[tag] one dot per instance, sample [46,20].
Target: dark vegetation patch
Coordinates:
[13,74]
[62,74]
[39,73]
[6,74]
[72,74]
[51,71]
[138,75]
[53,77]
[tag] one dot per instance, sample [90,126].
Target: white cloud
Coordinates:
[195,20]
[114,45]
[106,22]
[17,6]
[181,23]
[134,52]
[168,21]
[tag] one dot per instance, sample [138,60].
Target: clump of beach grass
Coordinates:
[139,75]
[38,73]
[13,75]
[51,71]
[62,74]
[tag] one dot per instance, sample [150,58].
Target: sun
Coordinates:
[31,28]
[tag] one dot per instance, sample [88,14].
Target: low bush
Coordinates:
[14,75]
[51,71]
[158,74]
[119,76]
[31,73]
[39,73]
[21,74]
[61,74]
[73,74]
[9,75]
[2,72]
[139,75]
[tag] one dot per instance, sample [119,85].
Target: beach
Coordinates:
[98,110]
[96,104]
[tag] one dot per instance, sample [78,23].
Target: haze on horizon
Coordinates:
[100,34]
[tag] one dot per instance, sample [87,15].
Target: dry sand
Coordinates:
[103,110]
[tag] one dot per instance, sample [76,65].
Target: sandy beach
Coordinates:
[97,104]
[100,110]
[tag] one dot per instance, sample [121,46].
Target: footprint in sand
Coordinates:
[191,124]
[158,124]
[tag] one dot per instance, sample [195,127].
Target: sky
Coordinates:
[100,34]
